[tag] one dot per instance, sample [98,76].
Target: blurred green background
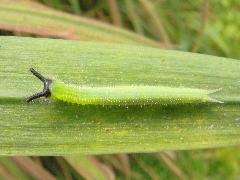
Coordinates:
[202,26]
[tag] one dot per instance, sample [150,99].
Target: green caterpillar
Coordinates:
[121,95]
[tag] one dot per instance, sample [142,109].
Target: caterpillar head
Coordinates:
[46,83]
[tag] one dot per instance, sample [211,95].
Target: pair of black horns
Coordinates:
[46,83]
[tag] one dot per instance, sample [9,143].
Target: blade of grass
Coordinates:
[29,17]
[65,169]
[147,168]
[54,3]
[5,174]
[124,159]
[90,168]
[155,21]
[75,6]
[113,161]
[115,14]
[203,21]
[58,128]
[12,168]
[133,16]
[33,168]
[172,166]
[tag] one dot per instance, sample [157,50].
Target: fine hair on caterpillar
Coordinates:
[121,95]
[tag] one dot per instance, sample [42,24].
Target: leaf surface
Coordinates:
[57,128]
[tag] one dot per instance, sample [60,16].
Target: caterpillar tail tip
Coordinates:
[215,101]
[214,90]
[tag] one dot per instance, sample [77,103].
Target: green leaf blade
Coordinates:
[58,128]
[34,18]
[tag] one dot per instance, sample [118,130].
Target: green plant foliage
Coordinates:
[55,128]
[28,17]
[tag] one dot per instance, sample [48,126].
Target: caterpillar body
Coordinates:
[121,95]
